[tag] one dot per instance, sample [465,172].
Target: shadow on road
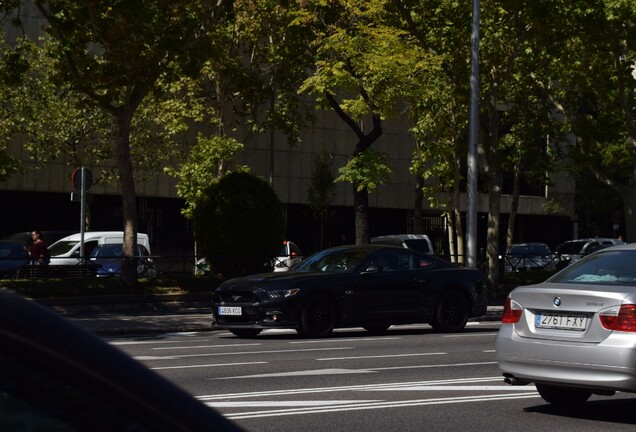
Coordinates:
[610,410]
[355,333]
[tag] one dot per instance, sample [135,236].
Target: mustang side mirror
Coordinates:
[372,269]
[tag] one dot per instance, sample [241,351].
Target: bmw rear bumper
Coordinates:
[609,365]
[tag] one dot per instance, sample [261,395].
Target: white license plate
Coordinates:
[571,322]
[230,310]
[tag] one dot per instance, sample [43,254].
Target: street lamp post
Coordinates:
[471,216]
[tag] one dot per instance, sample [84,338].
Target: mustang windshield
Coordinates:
[604,268]
[332,261]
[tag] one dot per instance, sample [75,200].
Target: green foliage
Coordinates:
[203,168]
[366,170]
[267,62]
[239,224]
[56,122]
[359,53]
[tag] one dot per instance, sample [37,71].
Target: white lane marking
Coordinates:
[353,371]
[153,342]
[378,405]
[489,351]
[382,356]
[460,388]
[207,346]
[176,357]
[345,388]
[314,341]
[331,402]
[206,365]
[434,366]
[316,372]
[317,403]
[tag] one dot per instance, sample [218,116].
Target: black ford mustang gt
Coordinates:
[370,286]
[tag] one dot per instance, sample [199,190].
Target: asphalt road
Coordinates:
[409,379]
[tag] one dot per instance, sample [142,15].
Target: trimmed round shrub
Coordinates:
[239,225]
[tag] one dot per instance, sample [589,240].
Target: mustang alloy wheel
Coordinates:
[317,318]
[452,312]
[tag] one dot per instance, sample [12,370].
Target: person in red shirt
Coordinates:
[38,250]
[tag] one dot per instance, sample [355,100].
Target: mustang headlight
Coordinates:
[282,293]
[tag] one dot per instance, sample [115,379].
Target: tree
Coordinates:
[55,121]
[508,58]
[593,87]
[115,52]
[439,108]
[240,224]
[14,64]
[362,67]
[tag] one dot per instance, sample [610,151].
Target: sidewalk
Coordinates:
[139,315]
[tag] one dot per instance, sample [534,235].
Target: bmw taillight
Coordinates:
[621,318]
[511,312]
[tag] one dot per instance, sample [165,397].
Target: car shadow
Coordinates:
[359,332]
[608,410]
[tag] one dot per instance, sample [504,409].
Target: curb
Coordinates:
[123,303]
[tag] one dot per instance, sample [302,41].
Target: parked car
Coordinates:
[108,260]
[373,286]
[24,237]
[288,256]
[574,335]
[528,256]
[13,256]
[66,251]
[419,242]
[573,250]
[56,376]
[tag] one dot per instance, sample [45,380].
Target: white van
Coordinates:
[420,242]
[66,251]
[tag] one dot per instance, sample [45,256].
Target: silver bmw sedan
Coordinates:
[574,335]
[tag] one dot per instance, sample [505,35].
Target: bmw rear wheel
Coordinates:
[318,317]
[563,396]
[452,312]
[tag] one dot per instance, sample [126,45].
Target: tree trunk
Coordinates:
[628,195]
[514,207]
[418,226]
[492,235]
[459,230]
[365,141]
[361,209]
[492,172]
[128,197]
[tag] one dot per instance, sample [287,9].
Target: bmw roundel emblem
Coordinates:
[557,301]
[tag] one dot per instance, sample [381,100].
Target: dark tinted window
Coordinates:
[529,249]
[571,248]
[602,268]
